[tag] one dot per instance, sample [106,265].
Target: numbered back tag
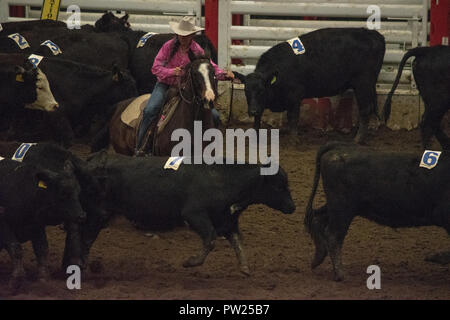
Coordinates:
[297,45]
[21,151]
[35,59]
[430,159]
[52,46]
[20,40]
[144,39]
[173,163]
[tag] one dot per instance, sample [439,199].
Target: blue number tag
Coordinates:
[144,39]
[297,45]
[430,159]
[20,40]
[35,59]
[22,151]
[173,163]
[52,46]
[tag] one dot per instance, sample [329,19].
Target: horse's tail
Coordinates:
[100,140]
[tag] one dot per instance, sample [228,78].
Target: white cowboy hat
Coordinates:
[185,27]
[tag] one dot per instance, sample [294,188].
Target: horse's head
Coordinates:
[200,74]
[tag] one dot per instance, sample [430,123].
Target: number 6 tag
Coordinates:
[297,45]
[430,159]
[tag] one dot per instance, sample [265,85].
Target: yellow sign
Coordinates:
[50,9]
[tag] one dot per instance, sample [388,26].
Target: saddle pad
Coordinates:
[131,114]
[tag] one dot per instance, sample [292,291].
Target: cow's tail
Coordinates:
[309,208]
[411,53]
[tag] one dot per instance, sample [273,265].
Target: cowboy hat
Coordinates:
[185,27]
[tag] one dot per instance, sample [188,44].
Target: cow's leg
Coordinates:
[319,223]
[14,249]
[236,243]
[72,250]
[335,232]
[436,122]
[199,222]
[366,97]
[257,122]
[40,247]
[293,115]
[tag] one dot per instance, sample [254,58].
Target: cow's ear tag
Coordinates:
[19,77]
[274,79]
[42,184]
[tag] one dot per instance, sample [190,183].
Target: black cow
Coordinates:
[20,26]
[55,158]
[210,198]
[110,23]
[30,199]
[83,91]
[431,69]
[98,49]
[335,60]
[385,187]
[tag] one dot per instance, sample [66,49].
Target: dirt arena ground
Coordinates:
[131,265]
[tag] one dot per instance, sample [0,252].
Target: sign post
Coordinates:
[50,9]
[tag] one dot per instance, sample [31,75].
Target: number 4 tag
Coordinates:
[297,45]
[430,159]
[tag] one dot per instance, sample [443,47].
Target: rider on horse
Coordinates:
[167,67]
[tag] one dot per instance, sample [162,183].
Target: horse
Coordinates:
[189,101]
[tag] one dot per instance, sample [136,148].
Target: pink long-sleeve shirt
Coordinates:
[163,68]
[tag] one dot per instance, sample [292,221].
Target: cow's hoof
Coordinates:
[245,270]
[193,261]
[317,261]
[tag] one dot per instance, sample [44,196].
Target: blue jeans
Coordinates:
[152,109]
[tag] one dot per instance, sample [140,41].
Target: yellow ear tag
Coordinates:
[274,79]
[42,184]
[19,77]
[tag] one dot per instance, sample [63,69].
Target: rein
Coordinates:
[194,96]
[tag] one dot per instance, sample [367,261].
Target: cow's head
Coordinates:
[61,191]
[257,90]
[110,23]
[33,79]
[123,85]
[275,192]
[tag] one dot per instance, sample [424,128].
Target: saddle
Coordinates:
[133,114]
